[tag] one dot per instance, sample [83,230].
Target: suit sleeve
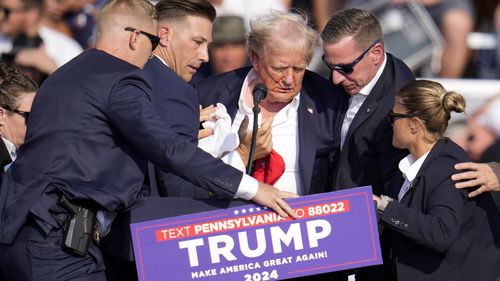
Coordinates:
[132,114]
[389,156]
[179,108]
[438,225]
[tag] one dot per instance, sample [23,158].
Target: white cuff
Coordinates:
[248,188]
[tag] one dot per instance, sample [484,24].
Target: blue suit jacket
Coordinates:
[91,130]
[177,102]
[368,157]
[318,116]
[436,232]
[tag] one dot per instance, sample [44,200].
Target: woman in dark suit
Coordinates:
[431,229]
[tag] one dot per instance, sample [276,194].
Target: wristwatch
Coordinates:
[384,200]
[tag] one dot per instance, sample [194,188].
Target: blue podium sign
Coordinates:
[334,231]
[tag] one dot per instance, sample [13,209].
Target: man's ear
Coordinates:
[254,58]
[165,33]
[133,41]
[378,53]
[2,116]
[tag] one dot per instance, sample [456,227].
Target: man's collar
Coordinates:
[369,87]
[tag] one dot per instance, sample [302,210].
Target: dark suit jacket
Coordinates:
[92,130]
[4,160]
[436,232]
[177,102]
[317,119]
[368,157]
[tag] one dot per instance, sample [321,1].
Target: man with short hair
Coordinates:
[185,31]
[367,79]
[91,131]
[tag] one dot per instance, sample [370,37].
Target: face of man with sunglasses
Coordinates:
[353,67]
[13,120]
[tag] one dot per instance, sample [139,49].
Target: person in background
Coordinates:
[455,20]
[35,49]
[228,49]
[432,230]
[75,18]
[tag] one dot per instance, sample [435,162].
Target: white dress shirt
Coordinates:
[409,167]
[356,101]
[285,137]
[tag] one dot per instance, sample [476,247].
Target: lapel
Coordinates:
[307,151]
[372,100]
[365,111]
[231,94]
[433,154]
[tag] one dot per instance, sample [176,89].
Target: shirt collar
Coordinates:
[410,167]
[163,61]
[11,148]
[369,87]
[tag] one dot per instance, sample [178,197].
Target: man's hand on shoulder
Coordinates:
[486,176]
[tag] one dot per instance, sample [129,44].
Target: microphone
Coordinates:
[259,93]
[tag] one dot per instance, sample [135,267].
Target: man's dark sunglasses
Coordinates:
[155,40]
[24,114]
[348,68]
[7,11]
[393,116]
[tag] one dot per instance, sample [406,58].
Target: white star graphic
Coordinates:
[236,212]
[243,211]
[251,210]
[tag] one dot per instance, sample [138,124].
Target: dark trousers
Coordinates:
[35,256]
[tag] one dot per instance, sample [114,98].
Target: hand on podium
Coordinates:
[272,197]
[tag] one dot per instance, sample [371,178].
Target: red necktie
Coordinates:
[270,168]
